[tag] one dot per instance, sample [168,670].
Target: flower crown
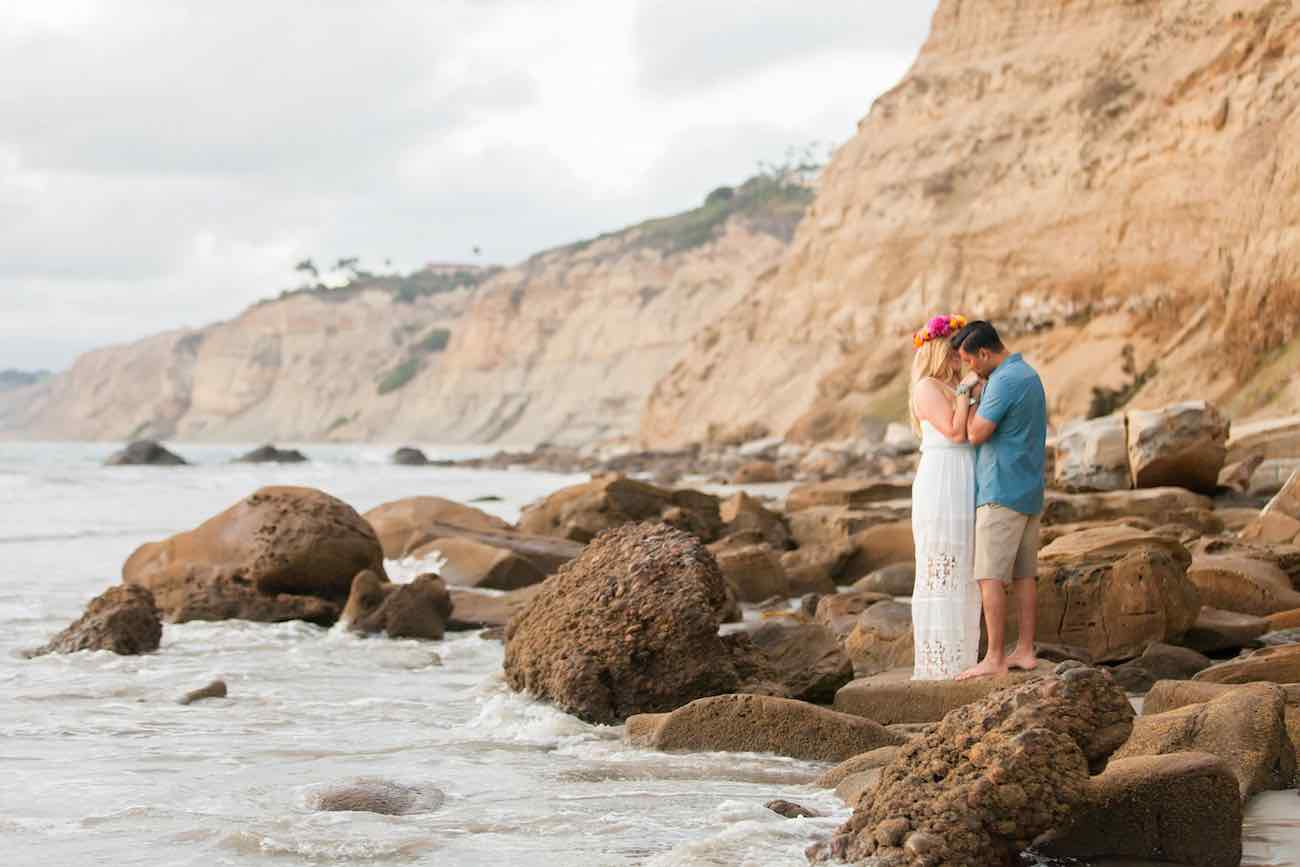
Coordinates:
[939,326]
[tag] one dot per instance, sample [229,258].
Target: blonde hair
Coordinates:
[930,361]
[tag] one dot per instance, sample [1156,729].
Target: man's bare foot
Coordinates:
[1022,661]
[984,669]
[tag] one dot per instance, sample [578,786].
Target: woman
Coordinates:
[945,599]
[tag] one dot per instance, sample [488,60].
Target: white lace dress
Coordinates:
[946,598]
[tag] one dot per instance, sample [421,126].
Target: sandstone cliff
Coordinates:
[563,347]
[1089,175]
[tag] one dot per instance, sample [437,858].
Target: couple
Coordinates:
[976,500]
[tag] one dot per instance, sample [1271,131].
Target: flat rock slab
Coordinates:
[893,697]
[1269,665]
[1216,629]
[760,724]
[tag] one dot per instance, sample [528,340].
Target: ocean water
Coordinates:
[101,766]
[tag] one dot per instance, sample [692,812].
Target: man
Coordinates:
[1009,429]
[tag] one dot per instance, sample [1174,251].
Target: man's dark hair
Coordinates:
[975,336]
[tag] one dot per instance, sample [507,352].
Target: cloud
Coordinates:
[165,162]
[683,46]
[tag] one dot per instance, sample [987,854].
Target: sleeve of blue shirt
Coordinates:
[996,400]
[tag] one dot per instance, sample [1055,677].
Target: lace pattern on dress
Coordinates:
[941,573]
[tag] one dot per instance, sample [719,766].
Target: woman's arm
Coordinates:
[947,415]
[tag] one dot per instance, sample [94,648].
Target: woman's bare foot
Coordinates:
[984,669]
[1022,661]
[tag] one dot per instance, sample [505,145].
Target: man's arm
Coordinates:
[979,429]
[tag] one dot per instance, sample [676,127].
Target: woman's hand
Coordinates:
[971,380]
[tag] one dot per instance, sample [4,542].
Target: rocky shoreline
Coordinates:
[620,601]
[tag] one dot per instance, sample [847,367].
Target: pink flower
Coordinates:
[938,326]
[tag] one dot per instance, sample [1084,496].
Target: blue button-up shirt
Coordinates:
[1009,466]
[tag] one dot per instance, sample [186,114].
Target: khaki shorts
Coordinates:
[1006,544]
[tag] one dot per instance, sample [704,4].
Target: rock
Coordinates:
[145,453]
[582,511]
[1245,727]
[376,796]
[544,553]
[984,783]
[852,788]
[883,545]
[280,552]
[1236,518]
[467,563]
[1284,620]
[881,639]
[743,513]
[404,525]
[1113,591]
[409,456]
[1241,583]
[900,439]
[819,526]
[1271,476]
[1182,808]
[1092,455]
[472,610]
[1269,664]
[868,761]
[122,619]
[895,580]
[1279,523]
[1158,505]
[1236,477]
[816,568]
[1183,445]
[892,697]
[759,724]
[847,493]
[1160,662]
[1280,638]
[1216,629]
[269,454]
[754,572]
[807,659]
[839,611]
[756,473]
[791,810]
[216,689]
[1265,440]
[418,609]
[630,626]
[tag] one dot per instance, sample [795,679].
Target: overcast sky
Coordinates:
[165,163]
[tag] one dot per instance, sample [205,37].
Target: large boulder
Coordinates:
[839,611]
[630,626]
[299,543]
[881,639]
[743,513]
[1217,630]
[805,657]
[1160,662]
[1182,808]
[145,453]
[760,724]
[873,760]
[409,456]
[1113,591]
[404,525]
[269,454]
[893,698]
[582,511]
[122,619]
[885,544]
[1092,455]
[1279,522]
[1183,445]
[1239,580]
[544,553]
[1157,505]
[753,571]
[1268,665]
[898,579]
[1272,439]
[474,610]
[418,609]
[817,568]
[848,493]
[1244,727]
[993,776]
[468,563]
[831,525]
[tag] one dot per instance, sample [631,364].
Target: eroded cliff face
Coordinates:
[1088,175]
[564,347]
